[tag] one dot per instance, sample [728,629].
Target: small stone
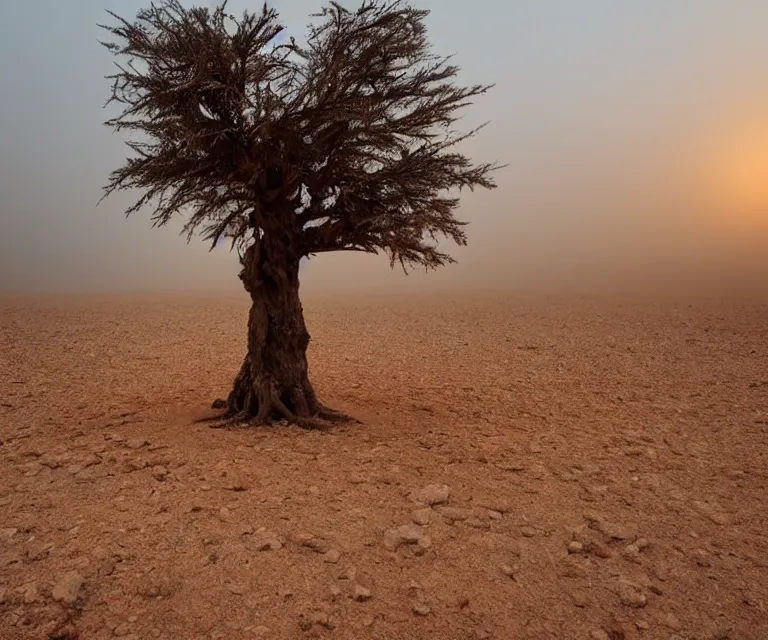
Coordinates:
[451,514]
[225,515]
[236,589]
[8,533]
[159,473]
[333,556]
[642,544]
[575,547]
[405,534]
[67,590]
[528,532]
[136,443]
[434,494]
[642,625]
[269,544]
[631,595]
[579,600]
[421,609]
[601,550]
[631,552]
[318,545]
[599,635]
[29,592]
[421,516]
[671,622]
[495,515]
[361,594]
[508,571]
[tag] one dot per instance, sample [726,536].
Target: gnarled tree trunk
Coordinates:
[273,381]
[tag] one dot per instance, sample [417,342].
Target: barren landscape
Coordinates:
[526,467]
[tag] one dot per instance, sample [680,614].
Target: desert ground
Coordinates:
[527,467]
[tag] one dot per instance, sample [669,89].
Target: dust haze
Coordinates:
[610,118]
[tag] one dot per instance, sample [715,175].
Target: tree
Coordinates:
[343,143]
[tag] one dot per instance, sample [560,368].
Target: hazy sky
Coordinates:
[636,134]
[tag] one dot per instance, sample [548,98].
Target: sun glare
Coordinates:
[738,181]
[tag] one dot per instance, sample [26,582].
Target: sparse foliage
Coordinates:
[344,142]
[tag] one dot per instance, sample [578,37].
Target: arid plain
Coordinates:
[528,467]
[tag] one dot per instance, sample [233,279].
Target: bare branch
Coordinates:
[238,130]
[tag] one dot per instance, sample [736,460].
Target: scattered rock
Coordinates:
[579,600]
[575,547]
[8,533]
[406,534]
[601,550]
[451,514]
[421,516]
[361,594]
[269,544]
[642,625]
[159,473]
[29,592]
[136,443]
[333,556]
[599,635]
[670,621]
[631,552]
[508,570]
[68,589]
[434,494]
[318,545]
[225,515]
[495,515]
[421,609]
[713,512]
[631,595]
[528,532]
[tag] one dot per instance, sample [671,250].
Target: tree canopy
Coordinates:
[346,141]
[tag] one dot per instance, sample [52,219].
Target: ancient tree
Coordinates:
[345,142]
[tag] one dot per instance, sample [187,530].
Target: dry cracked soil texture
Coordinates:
[527,467]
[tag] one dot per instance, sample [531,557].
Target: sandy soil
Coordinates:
[597,469]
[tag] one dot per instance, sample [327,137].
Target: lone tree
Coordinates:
[344,143]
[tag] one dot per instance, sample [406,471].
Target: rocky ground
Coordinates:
[527,468]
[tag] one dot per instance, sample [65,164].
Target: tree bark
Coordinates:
[273,381]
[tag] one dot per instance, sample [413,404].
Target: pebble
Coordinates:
[575,547]
[495,515]
[579,600]
[670,621]
[421,516]
[642,625]
[333,556]
[599,635]
[30,592]
[269,544]
[451,514]
[508,570]
[528,532]
[420,609]
[136,443]
[642,544]
[68,589]
[434,494]
[631,595]
[406,534]
[318,545]
[601,550]
[225,515]
[631,552]
[361,594]
[159,472]
[8,533]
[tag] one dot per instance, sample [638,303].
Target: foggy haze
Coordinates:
[635,132]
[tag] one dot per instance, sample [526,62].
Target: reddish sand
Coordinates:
[605,465]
